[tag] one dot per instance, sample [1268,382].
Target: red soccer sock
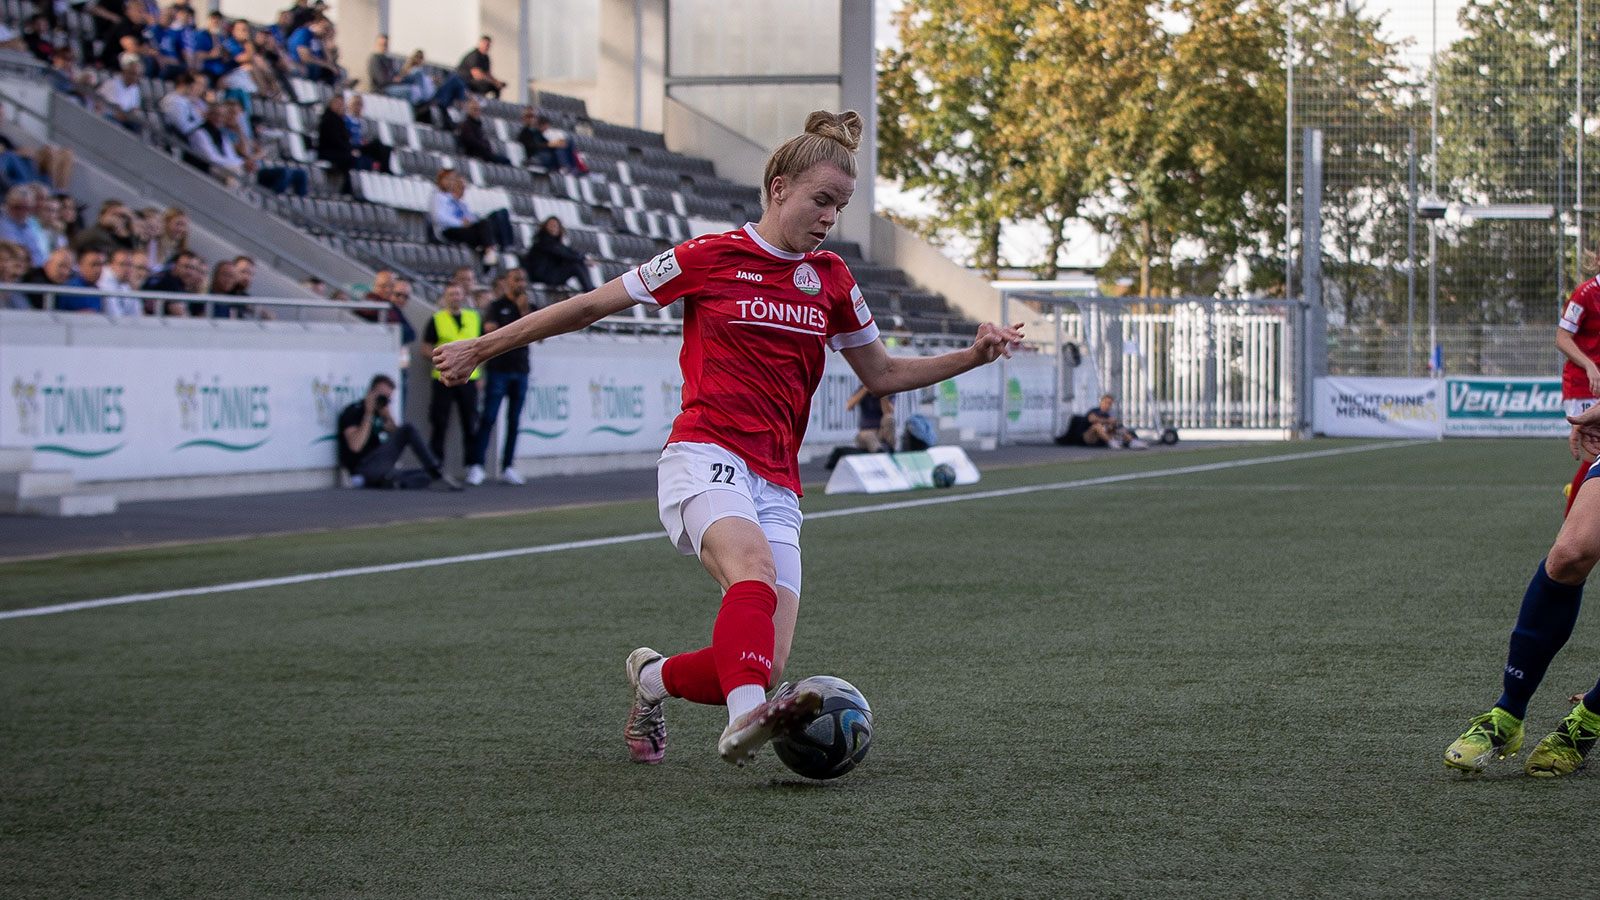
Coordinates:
[743,638]
[1577,482]
[693,677]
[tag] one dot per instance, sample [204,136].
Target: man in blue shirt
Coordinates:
[91,263]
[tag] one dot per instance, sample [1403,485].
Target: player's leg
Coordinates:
[1544,623]
[1576,551]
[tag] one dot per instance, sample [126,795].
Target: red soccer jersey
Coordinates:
[755,322]
[1582,318]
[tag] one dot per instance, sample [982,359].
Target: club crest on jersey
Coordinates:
[660,270]
[805,278]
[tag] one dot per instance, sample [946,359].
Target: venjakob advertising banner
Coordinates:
[1504,407]
[113,413]
[1378,407]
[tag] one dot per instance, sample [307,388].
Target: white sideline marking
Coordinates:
[656,535]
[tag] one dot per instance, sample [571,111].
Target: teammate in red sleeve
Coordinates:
[761,308]
[1579,341]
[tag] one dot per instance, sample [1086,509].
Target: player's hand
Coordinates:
[994,341]
[1594,381]
[456,360]
[1585,432]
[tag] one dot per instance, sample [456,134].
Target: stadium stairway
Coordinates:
[26,489]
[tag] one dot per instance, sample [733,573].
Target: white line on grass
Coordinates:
[656,535]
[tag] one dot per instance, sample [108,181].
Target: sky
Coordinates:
[1402,19]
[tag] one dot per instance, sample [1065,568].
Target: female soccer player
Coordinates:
[1549,612]
[1578,339]
[761,304]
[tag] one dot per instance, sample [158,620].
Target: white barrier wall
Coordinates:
[1463,406]
[599,394]
[148,398]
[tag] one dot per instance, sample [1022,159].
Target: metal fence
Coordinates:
[1213,365]
[1463,349]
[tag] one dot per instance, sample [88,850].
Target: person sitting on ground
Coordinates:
[550,261]
[473,139]
[56,270]
[453,222]
[122,95]
[13,266]
[875,428]
[1106,429]
[474,70]
[545,144]
[370,444]
[112,229]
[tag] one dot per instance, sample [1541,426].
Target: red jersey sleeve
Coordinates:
[676,273]
[850,322]
[1585,303]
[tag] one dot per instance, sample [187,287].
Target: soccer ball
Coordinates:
[836,740]
[944,475]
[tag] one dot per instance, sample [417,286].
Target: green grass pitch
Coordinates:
[1234,683]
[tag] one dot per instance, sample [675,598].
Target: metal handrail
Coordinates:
[210,300]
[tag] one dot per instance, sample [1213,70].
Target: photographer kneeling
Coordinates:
[371,443]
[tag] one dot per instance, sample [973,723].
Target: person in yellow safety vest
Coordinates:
[453,323]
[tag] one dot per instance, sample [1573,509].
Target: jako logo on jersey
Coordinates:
[660,270]
[747,276]
[759,310]
[805,278]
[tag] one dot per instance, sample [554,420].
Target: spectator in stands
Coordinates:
[14,264]
[507,375]
[22,160]
[276,178]
[146,229]
[282,27]
[39,36]
[473,139]
[466,278]
[214,146]
[114,30]
[546,145]
[453,323]
[63,74]
[308,50]
[453,222]
[371,443]
[138,274]
[115,280]
[386,288]
[57,269]
[59,220]
[113,228]
[182,108]
[122,94]
[172,240]
[251,79]
[383,70]
[239,38]
[367,145]
[550,261]
[166,36]
[91,262]
[244,275]
[143,26]
[186,275]
[475,71]
[11,39]
[209,53]
[19,226]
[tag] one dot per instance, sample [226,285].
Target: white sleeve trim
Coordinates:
[1568,326]
[636,288]
[859,338]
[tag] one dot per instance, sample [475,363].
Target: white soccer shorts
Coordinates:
[698,484]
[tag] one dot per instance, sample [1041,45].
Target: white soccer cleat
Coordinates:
[475,475]
[512,476]
[788,709]
[646,731]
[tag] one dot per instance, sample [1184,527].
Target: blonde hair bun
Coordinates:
[844,127]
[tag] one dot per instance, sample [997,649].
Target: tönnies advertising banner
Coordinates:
[1378,407]
[1504,407]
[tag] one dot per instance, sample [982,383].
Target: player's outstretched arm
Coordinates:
[884,374]
[456,360]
